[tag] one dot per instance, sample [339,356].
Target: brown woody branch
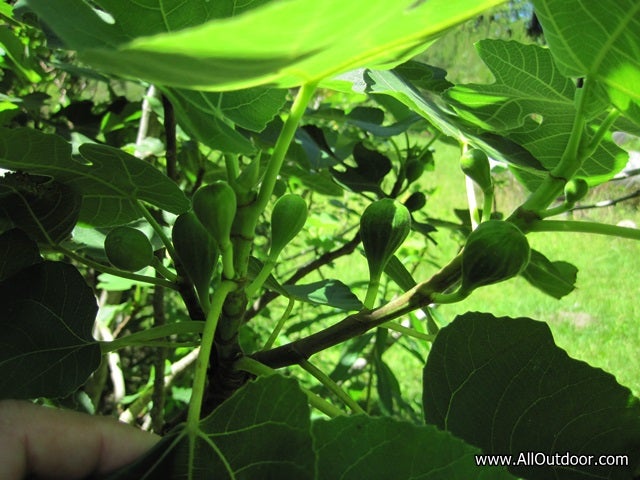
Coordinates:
[357,324]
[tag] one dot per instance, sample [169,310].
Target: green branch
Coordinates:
[202,363]
[584,227]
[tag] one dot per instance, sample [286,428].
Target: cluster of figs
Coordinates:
[495,251]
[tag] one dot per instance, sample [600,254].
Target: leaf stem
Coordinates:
[409,332]
[152,334]
[254,367]
[200,374]
[114,271]
[157,228]
[282,145]
[276,331]
[372,293]
[164,271]
[262,276]
[332,386]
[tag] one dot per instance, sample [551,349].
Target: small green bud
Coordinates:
[287,219]
[475,165]
[384,226]
[575,190]
[128,249]
[495,251]
[215,206]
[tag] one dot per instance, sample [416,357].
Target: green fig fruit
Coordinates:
[414,169]
[287,219]
[128,249]
[575,190]
[475,165]
[215,206]
[495,251]
[384,226]
[197,251]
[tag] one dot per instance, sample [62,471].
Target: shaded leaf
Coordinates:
[503,385]
[320,181]
[262,431]
[255,48]
[110,184]
[553,278]
[333,293]
[46,347]
[17,251]
[43,208]
[611,53]
[358,447]
[371,168]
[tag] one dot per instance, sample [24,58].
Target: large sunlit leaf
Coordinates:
[110,181]
[262,431]
[46,347]
[599,40]
[210,117]
[532,104]
[503,385]
[400,84]
[361,447]
[280,43]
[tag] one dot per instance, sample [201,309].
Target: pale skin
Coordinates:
[51,443]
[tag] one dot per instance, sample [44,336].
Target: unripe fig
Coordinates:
[384,225]
[475,165]
[416,201]
[495,251]
[413,169]
[197,251]
[128,249]
[575,190]
[215,206]
[287,219]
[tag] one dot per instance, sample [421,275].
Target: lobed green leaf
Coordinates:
[503,385]
[110,181]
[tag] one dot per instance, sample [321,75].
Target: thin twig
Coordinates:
[608,203]
[170,138]
[303,271]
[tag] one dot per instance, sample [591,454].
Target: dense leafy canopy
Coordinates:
[235,108]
